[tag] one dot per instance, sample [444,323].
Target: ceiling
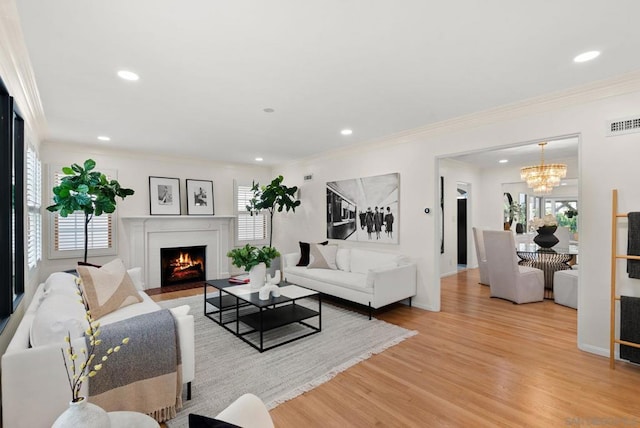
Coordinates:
[560,151]
[208,69]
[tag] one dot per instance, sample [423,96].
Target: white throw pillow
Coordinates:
[323,257]
[343,259]
[58,315]
[61,282]
[362,260]
[136,277]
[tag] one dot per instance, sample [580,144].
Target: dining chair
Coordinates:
[507,279]
[481,256]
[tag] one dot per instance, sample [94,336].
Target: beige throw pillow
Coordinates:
[108,288]
[323,257]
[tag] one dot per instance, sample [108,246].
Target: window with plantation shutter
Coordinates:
[67,233]
[34,203]
[251,229]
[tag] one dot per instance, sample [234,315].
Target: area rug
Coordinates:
[226,367]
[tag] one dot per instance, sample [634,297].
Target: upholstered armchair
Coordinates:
[481,256]
[507,279]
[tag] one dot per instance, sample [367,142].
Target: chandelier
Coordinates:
[543,178]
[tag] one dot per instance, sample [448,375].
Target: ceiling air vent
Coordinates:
[308,177]
[628,125]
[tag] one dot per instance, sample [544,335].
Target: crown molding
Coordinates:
[620,85]
[17,72]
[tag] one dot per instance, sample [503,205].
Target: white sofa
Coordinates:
[370,278]
[35,388]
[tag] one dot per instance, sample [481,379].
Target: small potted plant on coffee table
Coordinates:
[255,261]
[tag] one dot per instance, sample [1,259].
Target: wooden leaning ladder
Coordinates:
[614,297]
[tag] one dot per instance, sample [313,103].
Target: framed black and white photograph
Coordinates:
[364,209]
[164,196]
[200,197]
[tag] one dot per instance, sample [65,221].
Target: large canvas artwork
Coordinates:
[364,209]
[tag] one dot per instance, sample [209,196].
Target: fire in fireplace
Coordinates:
[182,264]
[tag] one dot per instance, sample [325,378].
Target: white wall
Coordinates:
[134,170]
[605,163]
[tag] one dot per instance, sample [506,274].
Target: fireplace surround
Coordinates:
[147,235]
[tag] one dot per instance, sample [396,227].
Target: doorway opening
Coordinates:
[462,229]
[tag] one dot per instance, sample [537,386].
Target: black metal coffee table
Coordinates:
[239,310]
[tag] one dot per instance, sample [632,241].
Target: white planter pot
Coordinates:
[257,275]
[83,414]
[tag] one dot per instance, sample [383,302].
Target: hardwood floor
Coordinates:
[478,362]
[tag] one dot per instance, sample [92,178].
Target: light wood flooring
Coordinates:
[478,362]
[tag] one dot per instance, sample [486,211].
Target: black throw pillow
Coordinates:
[305,248]
[197,421]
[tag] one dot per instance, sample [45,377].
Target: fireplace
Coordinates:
[182,264]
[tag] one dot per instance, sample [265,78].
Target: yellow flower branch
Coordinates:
[78,374]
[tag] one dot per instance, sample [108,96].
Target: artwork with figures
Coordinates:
[364,209]
[200,197]
[164,196]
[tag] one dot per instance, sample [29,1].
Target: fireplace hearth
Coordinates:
[182,264]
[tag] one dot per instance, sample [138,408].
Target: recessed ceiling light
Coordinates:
[268,110]
[128,75]
[586,56]
[346,132]
[503,161]
[564,183]
[259,159]
[104,138]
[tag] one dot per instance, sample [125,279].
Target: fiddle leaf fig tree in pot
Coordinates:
[272,197]
[86,190]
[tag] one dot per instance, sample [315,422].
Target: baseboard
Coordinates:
[424,306]
[595,350]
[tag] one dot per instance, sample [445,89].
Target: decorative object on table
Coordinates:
[240,279]
[546,227]
[80,367]
[255,261]
[544,177]
[364,209]
[200,197]
[269,290]
[164,196]
[276,278]
[272,197]
[82,414]
[83,189]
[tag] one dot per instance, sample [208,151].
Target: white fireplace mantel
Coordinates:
[148,234]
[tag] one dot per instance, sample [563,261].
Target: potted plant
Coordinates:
[272,197]
[517,211]
[253,260]
[86,190]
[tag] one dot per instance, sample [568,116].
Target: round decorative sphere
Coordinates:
[545,237]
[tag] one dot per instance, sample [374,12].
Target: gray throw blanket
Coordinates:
[630,327]
[633,244]
[145,375]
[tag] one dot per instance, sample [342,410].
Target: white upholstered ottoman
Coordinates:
[565,288]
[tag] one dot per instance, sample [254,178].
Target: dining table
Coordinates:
[549,260]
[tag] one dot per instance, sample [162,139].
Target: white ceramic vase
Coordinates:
[257,275]
[83,414]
